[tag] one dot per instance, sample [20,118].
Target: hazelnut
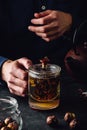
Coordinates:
[8,120]
[13,126]
[52,120]
[73,123]
[5,128]
[2,124]
[69,116]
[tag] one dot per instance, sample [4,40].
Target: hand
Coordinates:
[15,75]
[50,24]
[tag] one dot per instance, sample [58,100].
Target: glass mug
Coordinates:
[44,86]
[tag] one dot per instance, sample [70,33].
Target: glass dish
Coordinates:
[10,118]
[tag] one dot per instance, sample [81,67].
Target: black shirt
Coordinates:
[17,41]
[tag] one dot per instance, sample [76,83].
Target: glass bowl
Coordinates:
[10,117]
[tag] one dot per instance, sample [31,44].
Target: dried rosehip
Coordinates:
[44,62]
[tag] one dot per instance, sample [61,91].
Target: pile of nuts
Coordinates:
[8,124]
[69,118]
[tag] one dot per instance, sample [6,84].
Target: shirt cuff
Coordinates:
[2,60]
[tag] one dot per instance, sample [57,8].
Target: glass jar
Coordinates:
[44,86]
[10,118]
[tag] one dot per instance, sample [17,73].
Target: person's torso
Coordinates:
[16,17]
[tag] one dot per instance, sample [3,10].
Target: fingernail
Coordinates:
[29,27]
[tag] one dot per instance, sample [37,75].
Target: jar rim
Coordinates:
[51,69]
[7,102]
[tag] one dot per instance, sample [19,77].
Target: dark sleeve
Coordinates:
[78,12]
[77,9]
[2,60]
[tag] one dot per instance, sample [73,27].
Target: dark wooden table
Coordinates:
[70,101]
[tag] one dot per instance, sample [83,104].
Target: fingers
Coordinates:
[45,28]
[16,75]
[42,18]
[25,62]
[17,86]
[42,14]
[19,67]
[18,82]
[53,37]
[41,21]
[18,90]
[48,32]
[50,24]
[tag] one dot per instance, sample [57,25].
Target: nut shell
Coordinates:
[52,120]
[69,116]
[13,126]
[2,124]
[73,123]
[5,128]
[8,120]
